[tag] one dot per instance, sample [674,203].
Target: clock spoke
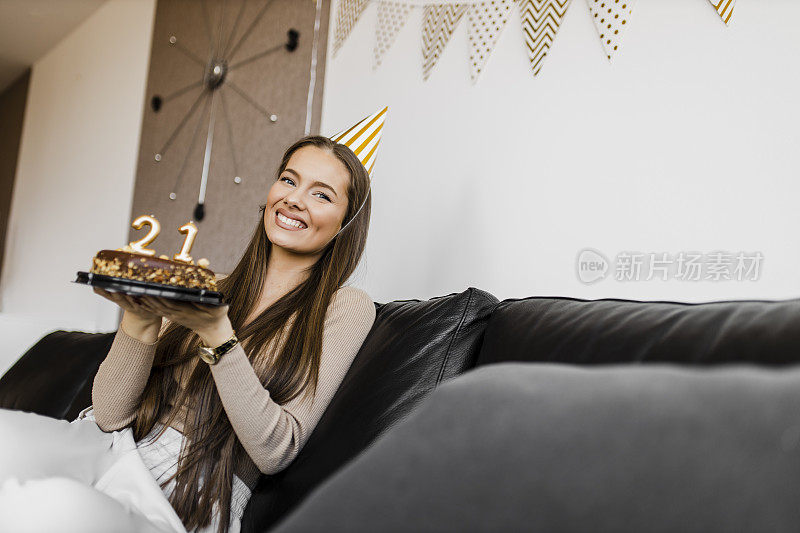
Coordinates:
[182,123]
[249,29]
[221,26]
[257,56]
[189,149]
[272,117]
[188,53]
[181,91]
[229,40]
[232,144]
[207,23]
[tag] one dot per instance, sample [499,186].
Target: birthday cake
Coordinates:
[127,264]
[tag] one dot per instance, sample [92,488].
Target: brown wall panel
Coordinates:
[245,142]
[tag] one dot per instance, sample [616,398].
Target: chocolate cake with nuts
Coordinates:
[131,265]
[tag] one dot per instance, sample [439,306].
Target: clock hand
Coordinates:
[173,194]
[200,210]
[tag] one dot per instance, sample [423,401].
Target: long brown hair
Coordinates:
[211,449]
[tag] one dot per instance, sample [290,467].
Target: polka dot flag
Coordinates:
[391,18]
[486,22]
[611,18]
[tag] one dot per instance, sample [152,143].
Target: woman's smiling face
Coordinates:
[311,189]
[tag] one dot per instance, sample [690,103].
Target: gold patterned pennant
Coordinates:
[346,17]
[540,22]
[724,8]
[486,22]
[439,22]
[611,17]
[391,18]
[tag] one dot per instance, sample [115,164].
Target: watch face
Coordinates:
[208,356]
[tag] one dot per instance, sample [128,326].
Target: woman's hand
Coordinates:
[130,304]
[138,321]
[211,323]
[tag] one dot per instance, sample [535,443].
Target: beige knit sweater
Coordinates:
[271,434]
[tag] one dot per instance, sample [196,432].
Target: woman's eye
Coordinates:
[322,193]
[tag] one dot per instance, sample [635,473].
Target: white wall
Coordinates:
[75,174]
[687,142]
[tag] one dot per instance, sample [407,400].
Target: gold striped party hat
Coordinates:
[363,138]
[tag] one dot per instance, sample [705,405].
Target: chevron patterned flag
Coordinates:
[724,8]
[391,18]
[486,22]
[439,22]
[540,22]
[364,137]
[611,17]
[346,17]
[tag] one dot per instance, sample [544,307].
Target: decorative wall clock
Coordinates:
[215,88]
[265,93]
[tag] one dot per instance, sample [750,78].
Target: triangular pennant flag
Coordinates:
[363,138]
[439,22]
[486,22]
[724,8]
[346,17]
[540,22]
[391,18]
[611,17]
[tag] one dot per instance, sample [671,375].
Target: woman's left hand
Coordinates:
[211,323]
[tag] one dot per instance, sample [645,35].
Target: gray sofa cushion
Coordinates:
[550,447]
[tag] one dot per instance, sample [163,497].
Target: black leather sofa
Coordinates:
[423,355]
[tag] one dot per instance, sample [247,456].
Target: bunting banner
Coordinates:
[540,20]
[724,8]
[611,18]
[438,23]
[392,16]
[486,23]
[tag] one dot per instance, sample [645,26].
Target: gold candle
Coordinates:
[140,246]
[191,232]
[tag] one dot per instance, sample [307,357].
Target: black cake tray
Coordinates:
[146,288]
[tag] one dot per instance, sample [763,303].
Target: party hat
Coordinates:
[363,138]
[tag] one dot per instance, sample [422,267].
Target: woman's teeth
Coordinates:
[290,222]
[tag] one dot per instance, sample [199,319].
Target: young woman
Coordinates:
[205,429]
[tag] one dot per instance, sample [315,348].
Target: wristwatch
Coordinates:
[212,355]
